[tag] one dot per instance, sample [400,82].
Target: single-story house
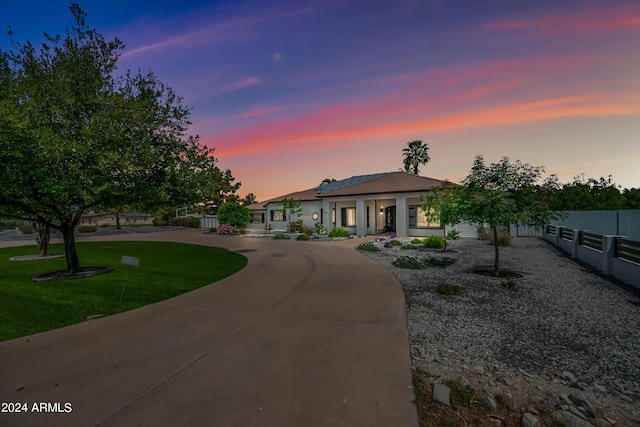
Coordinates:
[126,218]
[379,203]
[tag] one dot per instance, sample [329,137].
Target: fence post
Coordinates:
[575,247]
[558,236]
[608,251]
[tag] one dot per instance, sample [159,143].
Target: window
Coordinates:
[278,215]
[257,218]
[348,217]
[417,218]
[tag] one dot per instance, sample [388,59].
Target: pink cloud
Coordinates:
[627,17]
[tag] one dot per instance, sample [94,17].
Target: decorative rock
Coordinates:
[529,420]
[532,410]
[567,419]
[553,401]
[602,423]
[442,394]
[508,381]
[491,401]
[575,411]
[485,386]
[579,399]
[566,375]
[599,388]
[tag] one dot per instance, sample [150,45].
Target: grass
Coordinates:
[467,407]
[166,270]
[449,289]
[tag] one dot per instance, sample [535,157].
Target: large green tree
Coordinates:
[416,154]
[590,194]
[75,136]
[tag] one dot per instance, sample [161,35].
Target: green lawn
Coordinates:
[166,270]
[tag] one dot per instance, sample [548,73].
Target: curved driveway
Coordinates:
[308,334]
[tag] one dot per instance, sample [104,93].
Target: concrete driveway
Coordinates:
[308,334]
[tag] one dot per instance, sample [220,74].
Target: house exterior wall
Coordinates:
[373,220]
[309,208]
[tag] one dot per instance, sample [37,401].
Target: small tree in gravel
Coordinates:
[498,195]
[291,207]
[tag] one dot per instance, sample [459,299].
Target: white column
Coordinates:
[361,220]
[401,216]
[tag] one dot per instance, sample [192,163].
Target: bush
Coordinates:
[408,247]
[395,242]
[504,238]
[510,285]
[296,226]
[307,230]
[281,236]
[435,242]
[339,232]
[191,222]
[368,247]
[440,262]
[453,234]
[225,229]
[234,214]
[408,262]
[416,241]
[449,289]
[86,229]
[320,229]
[302,237]
[25,229]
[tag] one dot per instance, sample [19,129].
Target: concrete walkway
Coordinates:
[308,334]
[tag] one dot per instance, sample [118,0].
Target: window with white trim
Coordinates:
[417,218]
[278,215]
[348,217]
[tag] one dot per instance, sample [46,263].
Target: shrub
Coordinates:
[440,262]
[86,229]
[281,236]
[449,289]
[234,214]
[395,242]
[435,242]
[320,229]
[408,247]
[504,238]
[368,247]
[408,262]
[185,222]
[416,241]
[296,226]
[510,285]
[25,229]
[302,237]
[453,234]
[225,229]
[339,232]
[307,230]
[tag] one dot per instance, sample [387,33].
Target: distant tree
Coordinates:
[249,199]
[327,181]
[291,207]
[631,198]
[75,137]
[584,194]
[234,214]
[415,154]
[498,195]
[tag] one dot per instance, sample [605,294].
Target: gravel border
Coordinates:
[565,328]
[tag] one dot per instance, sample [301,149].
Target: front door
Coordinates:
[390,219]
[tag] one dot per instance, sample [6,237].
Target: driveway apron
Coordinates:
[307,334]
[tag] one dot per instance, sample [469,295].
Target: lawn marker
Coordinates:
[129,261]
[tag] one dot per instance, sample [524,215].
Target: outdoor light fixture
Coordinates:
[381,210]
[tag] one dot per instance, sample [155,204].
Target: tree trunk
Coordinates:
[496,243]
[118,221]
[73,264]
[43,234]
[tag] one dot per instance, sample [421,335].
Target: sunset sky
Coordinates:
[292,92]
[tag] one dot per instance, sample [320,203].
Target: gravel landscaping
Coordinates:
[558,334]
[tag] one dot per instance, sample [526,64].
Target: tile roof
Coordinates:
[390,182]
[378,183]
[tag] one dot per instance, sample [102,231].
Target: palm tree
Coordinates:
[415,154]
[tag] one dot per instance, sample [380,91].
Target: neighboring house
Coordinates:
[367,204]
[127,218]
